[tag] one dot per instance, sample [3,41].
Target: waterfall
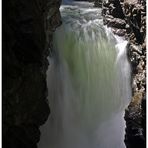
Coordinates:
[88,83]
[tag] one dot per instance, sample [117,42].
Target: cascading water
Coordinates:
[88,81]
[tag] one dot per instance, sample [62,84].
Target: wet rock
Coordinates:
[98,3]
[107,19]
[134,132]
[135,18]
[119,32]
[133,14]
[26,41]
[117,23]
[114,8]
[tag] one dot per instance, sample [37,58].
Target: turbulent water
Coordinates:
[88,83]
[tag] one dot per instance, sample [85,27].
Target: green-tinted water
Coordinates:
[88,83]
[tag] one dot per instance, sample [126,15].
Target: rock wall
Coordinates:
[27,37]
[98,3]
[128,18]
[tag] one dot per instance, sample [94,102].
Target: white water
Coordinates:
[88,81]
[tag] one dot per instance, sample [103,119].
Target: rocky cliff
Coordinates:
[27,37]
[128,18]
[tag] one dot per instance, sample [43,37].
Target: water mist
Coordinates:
[88,83]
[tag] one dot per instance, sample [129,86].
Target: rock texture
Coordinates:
[27,35]
[128,18]
[114,17]
[135,14]
[98,3]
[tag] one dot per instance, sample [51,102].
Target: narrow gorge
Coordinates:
[74,74]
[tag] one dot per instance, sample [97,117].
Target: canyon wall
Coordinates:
[127,18]
[27,38]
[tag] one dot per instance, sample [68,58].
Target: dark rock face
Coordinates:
[98,3]
[113,7]
[135,136]
[113,16]
[27,36]
[132,25]
[136,18]
[135,115]
[117,23]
